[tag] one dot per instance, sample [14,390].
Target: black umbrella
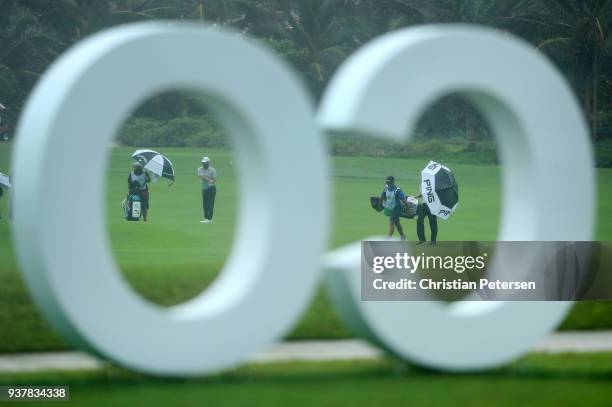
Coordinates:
[439,189]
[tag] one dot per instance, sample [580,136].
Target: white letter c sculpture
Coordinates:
[269,278]
[381,91]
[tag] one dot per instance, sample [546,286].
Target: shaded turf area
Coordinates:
[534,380]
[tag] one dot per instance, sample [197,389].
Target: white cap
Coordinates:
[205,159]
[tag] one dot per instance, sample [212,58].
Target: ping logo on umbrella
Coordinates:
[440,188]
[429,191]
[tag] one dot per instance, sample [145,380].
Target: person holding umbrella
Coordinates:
[142,178]
[157,164]
[422,212]
[392,197]
[208,175]
[149,165]
[440,194]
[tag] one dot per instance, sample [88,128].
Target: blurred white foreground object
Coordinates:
[64,251]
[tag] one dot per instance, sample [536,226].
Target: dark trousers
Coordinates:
[208,201]
[395,219]
[423,211]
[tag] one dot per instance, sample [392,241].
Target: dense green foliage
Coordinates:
[198,131]
[173,257]
[447,150]
[315,36]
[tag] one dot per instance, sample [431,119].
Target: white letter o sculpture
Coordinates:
[381,91]
[62,241]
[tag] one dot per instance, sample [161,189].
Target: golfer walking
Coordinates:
[392,197]
[208,175]
[422,212]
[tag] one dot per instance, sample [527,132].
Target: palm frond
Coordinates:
[553,41]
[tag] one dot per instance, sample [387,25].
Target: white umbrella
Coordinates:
[5,181]
[157,164]
[439,189]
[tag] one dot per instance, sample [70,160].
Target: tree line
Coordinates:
[315,36]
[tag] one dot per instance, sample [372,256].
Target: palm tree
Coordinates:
[578,38]
[316,26]
[65,17]
[493,13]
[26,48]
[218,12]
[115,12]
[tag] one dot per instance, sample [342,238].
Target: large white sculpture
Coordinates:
[270,276]
[543,144]
[64,250]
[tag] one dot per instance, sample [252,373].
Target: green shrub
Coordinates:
[443,150]
[136,131]
[603,153]
[207,138]
[198,131]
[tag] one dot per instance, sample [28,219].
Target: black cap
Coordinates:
[390,179]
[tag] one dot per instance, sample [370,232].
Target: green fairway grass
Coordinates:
[534,380]
[173,257]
